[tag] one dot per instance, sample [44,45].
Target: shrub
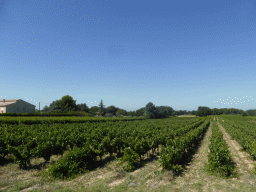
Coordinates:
[74,162]
[127,116]
[130,157]
[88,115]
[98,116]
[145,116]
[78,113]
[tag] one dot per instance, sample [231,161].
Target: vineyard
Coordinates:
[72,148]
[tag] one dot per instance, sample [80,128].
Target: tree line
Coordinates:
[68,105]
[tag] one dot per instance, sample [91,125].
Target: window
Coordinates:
[2,110]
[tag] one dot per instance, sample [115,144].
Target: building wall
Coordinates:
[2,109]
[20,107]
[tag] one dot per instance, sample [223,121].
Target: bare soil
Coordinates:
[195,178]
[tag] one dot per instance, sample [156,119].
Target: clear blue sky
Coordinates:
[182,54]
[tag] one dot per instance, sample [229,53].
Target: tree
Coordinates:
[121,112]
[67,103]
[145,116]
[108,115]
[166,111]
[93,110]
[53,108]
[131,113]
[140,111]
[45,109]
[180,112]
[101,108]
[244,114]
[161,115]
[203,111]
[251,112]
[112,109]
[83,107]
[151,111]
[214,111]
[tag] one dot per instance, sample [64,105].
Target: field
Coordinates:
[174,154]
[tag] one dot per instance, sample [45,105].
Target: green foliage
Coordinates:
[32,139]
[3,148]
[145,116]
[77,113]
[74,162]
[83,107]
[66,103]
[244,114]
[219,158]
[112,109]
[251,112]
[244,133]
[53,108]
[203,111]
[130,156]
[226,111]
[215,111]
[164,111]
[21,145]
[139,112]
[151,110]
[102,110]
[10,114]
[159,112]
[180,112]
[140,146]
[121,112]
[93,110]
[175,150]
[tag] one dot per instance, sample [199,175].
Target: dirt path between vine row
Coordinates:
[195,178]
[240,157]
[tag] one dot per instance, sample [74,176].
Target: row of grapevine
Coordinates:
[35,141]
[63,120]
[133,149]
[243,133]
[219,158]
[175,151]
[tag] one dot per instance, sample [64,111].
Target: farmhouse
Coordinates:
[16,106]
